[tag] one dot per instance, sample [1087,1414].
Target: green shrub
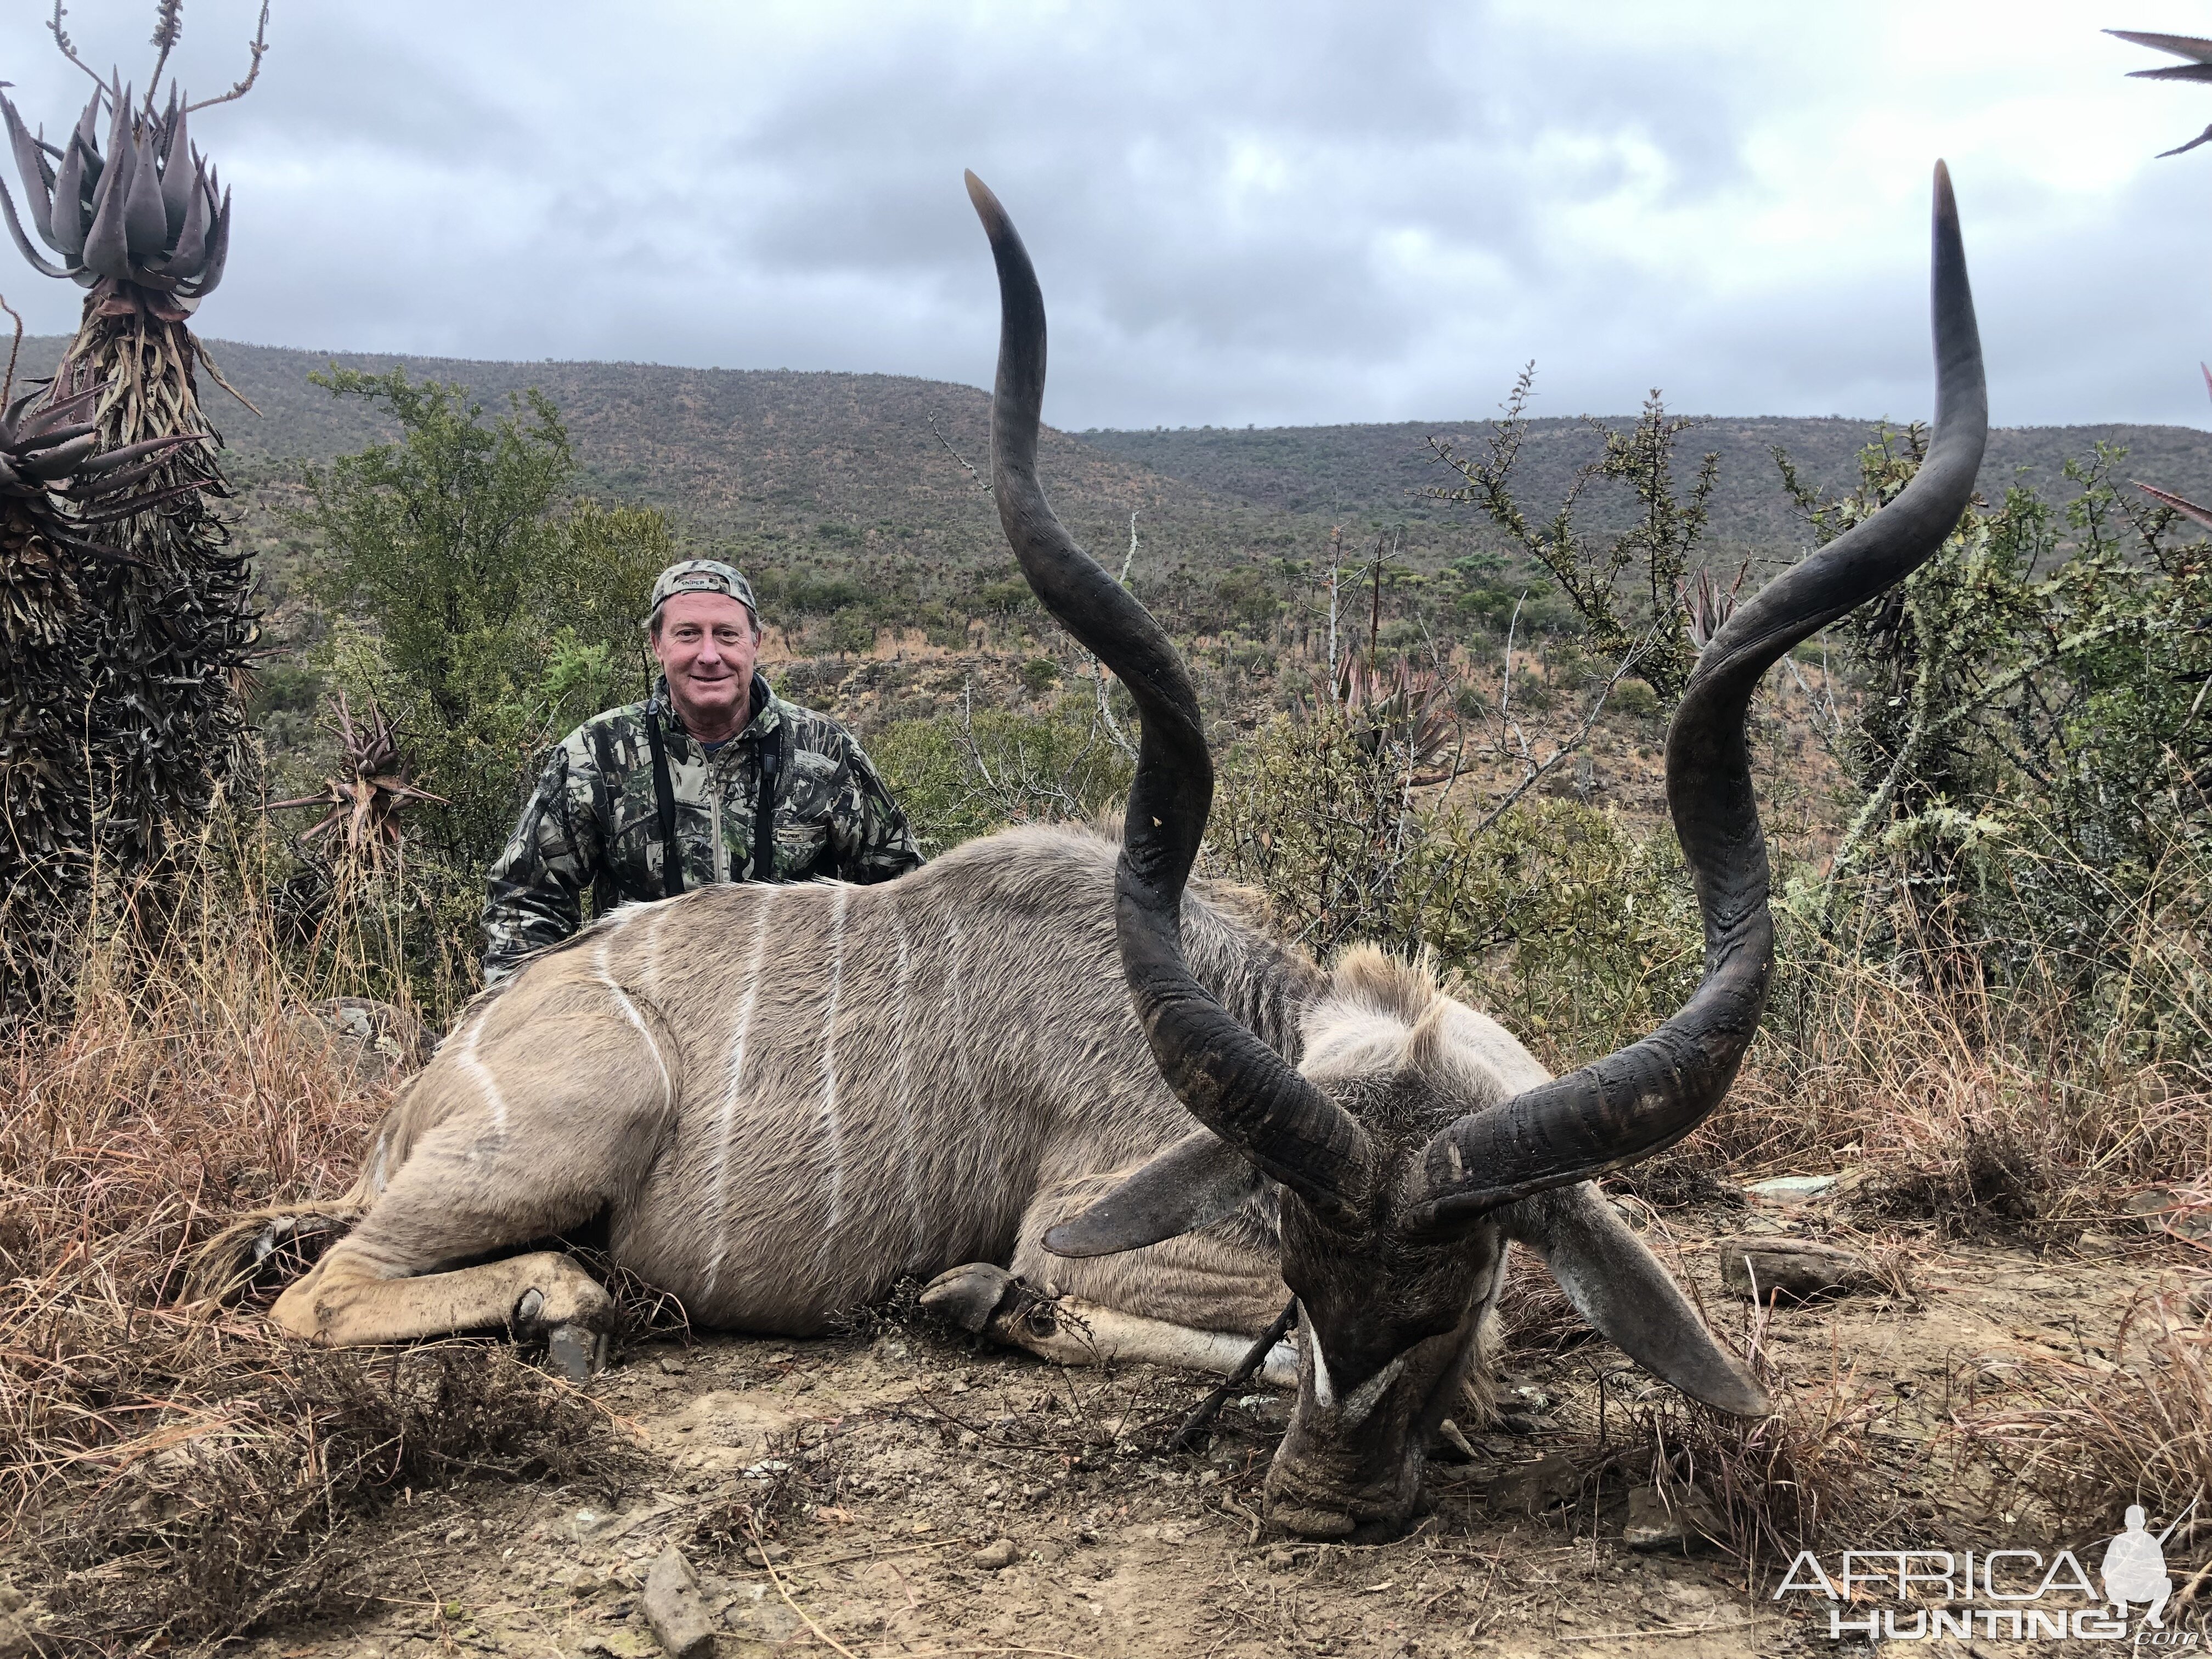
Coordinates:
[483,614]
[851,633]
[1636,699]
[958,777]
[1005,598]
[1576,931]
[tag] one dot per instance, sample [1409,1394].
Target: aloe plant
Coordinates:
[145,629]
[2196,49]
[60,493]
[362,808]
[148,213]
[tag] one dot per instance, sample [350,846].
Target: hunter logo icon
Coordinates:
[2135,1569]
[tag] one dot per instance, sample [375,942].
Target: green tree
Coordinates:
[484,611]
[2028,741]
[1599,574]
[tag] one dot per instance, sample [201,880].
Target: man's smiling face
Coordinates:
[707,645]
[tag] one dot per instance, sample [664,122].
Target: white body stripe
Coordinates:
[631,1013]
[832,1127]
[480,1074]
[733,1078]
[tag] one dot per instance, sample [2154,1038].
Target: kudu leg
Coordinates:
[529,1139]
[1195,1303]
[346,1304]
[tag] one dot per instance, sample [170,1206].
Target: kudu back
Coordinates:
[1110,1113]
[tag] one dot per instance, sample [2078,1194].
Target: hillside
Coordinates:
[839,471]
[835,471]
[1384,470]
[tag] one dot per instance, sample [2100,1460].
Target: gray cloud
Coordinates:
[1290,211]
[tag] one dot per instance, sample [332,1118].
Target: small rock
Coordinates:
[1454,1437]
[674,1609]
[765,1621]
[1792,1189]
[671,1366]
[1534,1487]
[760,1556]
[1680,1523]
[586,1524]
[1000,1552]
[2161,1209]
[1796,1269]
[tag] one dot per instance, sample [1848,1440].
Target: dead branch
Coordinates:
[8,386]
[1534,772]
[169,24]
[981,482]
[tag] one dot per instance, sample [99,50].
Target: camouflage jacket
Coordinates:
[594,820]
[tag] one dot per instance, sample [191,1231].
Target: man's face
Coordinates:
[707,646]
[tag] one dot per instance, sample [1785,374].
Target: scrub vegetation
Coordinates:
[1439,727]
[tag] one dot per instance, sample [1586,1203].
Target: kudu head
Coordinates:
[1401,1183]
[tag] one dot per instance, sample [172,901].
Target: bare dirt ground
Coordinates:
[923,1496]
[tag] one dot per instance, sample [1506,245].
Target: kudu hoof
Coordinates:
[576,1352]
[969,1296]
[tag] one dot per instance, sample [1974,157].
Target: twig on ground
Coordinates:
[1255,1357]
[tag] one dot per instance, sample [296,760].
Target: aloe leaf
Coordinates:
[38,436]
[38,177]
[51,463]
[145,222]
[218,246]
[23,242]
[180,172]
[2181,45]
[107,245]
[69,215]
[192,241]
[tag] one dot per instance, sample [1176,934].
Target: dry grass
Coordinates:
[1762,1489]
[1965,1111]
[2072,1442]
[168,1474]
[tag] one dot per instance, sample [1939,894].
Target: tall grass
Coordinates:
[177,1474]
[1976,1099]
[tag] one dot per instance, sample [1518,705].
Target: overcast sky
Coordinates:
[1274,213]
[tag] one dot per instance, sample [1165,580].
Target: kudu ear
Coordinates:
[1627,1297]
[1195,1182]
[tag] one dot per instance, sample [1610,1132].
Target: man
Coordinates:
[713,779]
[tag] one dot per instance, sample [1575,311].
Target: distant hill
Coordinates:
[841,470]
[1384,469]
[855,473]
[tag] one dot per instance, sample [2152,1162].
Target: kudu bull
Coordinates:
[781,1100]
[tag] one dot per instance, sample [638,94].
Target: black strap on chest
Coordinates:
[771,761]
[664,801]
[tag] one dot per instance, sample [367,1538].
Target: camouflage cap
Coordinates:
[702,576]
